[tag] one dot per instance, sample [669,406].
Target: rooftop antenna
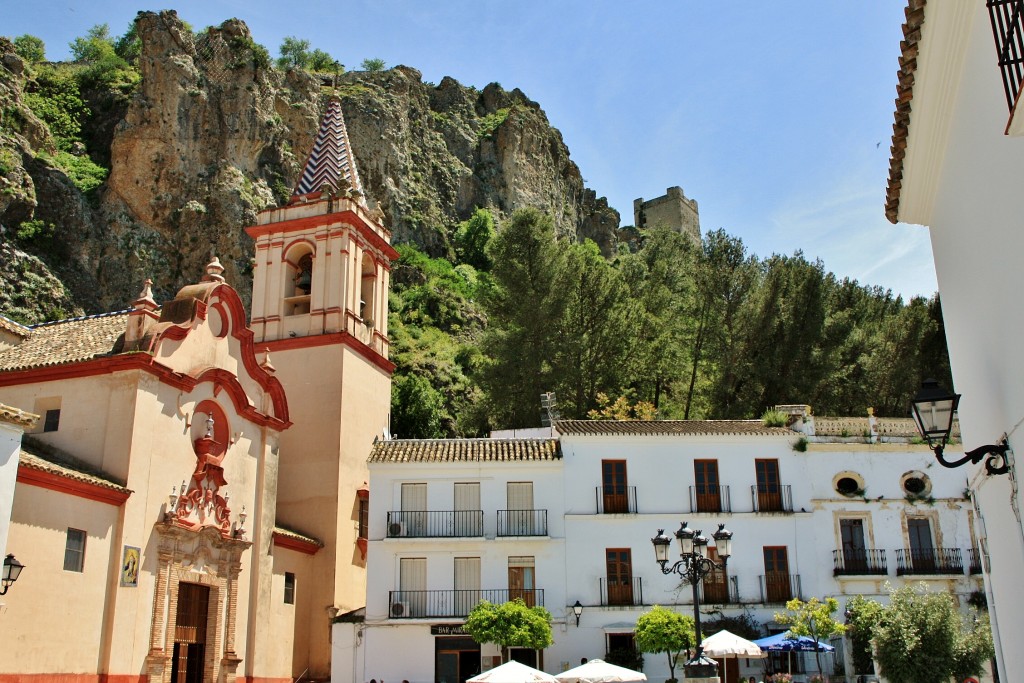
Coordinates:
[548,409]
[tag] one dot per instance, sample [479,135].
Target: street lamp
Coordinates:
[933,409]
[12,570]
[577,610]
[693,566]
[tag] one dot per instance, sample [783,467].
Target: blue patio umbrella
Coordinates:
[787,642]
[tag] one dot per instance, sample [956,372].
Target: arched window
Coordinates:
[298,280]
[366,291]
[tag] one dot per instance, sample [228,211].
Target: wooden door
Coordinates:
[188,663]
[854,552]
[922,550]
[709,498]
[521,583]
[776,574]
[614,485]
[769,488]
[716,583]
[619,568]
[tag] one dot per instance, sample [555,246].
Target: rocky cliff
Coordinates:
[213,133]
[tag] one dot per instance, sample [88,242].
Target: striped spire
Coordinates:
[331,162]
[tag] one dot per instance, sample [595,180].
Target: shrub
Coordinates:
[774,418]
[374,65]
[30,48]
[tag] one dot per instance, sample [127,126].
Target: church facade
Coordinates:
[188,505]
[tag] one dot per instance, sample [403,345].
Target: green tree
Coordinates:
[511,624]
[662,630]
[58,102]
[94,45]
[863,615]
[294,53]
[374,64]
[30,48]
[812,619]
[105,67]
[417,409]
[472,238]
[322,62]
[129,46]
[524,316]
[923,638]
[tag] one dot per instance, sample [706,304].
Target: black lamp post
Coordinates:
[12,570]
[933,409]
[693,566]
[577,610]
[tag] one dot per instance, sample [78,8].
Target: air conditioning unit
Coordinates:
[399,609]
[396,529]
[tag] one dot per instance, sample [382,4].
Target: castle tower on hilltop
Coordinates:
[320,297]
[672,210]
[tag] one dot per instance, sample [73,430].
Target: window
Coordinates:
[709,497]
[413,520]
[922,550]
[74,551]
[52,420]
[776,574]
[469,518]
[521,582]
[364,518]
[412,584]
[299,280]
[519,498]
[769,492]
[716,583]
[619,566]
[289,588]
[614,487]
[366,290]
[854,551]
[467,584]
[916,484]
[849,484]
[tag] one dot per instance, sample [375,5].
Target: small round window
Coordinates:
[848,483]
[916,484]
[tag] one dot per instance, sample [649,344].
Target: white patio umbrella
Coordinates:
[599,671]
[513,672]
[725,644]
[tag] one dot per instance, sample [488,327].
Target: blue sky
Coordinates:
[775,116]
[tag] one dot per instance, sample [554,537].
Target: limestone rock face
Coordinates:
[214,133]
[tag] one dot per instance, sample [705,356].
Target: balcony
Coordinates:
[974,561]
[616,500]
[929,561]
[439,524]
[522,522]
[453,603]
[859,562]
[779,587]
[771,498]
[710,498]
[622,594]
[718,593]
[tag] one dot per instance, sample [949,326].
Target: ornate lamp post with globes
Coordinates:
[693,566]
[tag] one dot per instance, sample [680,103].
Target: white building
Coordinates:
[957,167]
[570,518]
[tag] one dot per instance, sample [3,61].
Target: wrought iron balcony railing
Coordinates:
[522,522]
[864,561]
[929,561]
[772,497]
[779,587]
[616,500]
[718,593]
[1006,17]
[974,561]
[710,498]
[435,524]
[437,604]
[630,592]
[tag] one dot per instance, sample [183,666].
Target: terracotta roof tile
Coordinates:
[66,341]
[668,427]
[914,13]
[288,533]
[465,450]
[35,455]
[18,416]
[8,325]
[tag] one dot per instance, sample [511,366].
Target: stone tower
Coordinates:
[319,308]
[672,210]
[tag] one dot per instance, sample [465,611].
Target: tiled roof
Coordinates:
[667,427]
[465,450]
[904,95]
[8,325]
[35,455]
[66,341]
[288,533]
[331,161]
[17,416]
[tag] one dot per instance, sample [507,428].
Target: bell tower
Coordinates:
[319,307]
